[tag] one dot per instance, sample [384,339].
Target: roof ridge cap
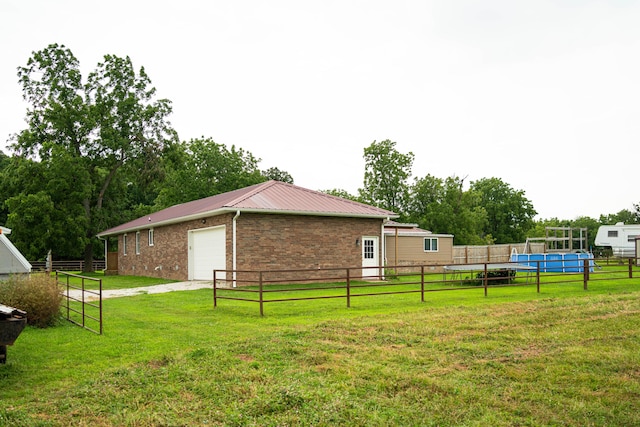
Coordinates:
[331,196]
[257,189]
[353,202]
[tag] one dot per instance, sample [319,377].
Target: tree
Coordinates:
[92,131]
[386,176]
[278,175]
[31,219]
[343,194]
[5,161]
[201,168]
[624,215]
[442,206]
[509,213]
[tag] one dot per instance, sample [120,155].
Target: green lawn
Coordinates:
[562,357]
[110,282]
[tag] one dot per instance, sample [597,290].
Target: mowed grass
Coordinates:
[562,357]
[108,282]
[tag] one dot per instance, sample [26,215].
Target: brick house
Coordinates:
[267,226]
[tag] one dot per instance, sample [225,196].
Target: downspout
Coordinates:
[234,247]
[383,247]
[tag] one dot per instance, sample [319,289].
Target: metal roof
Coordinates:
[405,229]
[266,197]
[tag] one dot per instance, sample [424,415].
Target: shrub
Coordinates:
[496,277]
[37,294]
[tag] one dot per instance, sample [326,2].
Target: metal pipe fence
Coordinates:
[269,286]
[73,265]
[82,306]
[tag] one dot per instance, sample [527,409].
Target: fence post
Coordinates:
[348,288]
[100,285]
[486,279]
[538,276]
[83,303]
[422,283]
[215,295]
[585,268]
[261,296]
[630,268]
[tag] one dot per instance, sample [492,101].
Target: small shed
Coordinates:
[11,260]
[407,244]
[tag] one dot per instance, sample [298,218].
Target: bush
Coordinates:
[37,294]
[496,277]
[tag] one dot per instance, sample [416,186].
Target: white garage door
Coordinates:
[207,251]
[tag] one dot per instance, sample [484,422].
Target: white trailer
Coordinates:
[621,238]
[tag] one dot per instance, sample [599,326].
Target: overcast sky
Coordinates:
[542,94]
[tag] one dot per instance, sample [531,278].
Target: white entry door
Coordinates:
[207,251]
[370,258]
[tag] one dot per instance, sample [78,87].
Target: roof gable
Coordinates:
[266,197]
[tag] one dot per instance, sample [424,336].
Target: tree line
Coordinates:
[99,151]
[488,212]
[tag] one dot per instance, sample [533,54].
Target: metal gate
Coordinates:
[82,299]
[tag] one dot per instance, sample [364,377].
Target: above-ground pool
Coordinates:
[556,262]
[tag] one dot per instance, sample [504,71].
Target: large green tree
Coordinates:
[87,135]
[442,206]
[509,213]
[386,176]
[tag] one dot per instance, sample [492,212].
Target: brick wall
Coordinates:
[279,242]
[169,255]
[264,242]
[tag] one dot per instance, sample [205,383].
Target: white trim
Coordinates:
[234,258]
[370,270]
[191,255]
[137,243]
[431,239]
[383,247]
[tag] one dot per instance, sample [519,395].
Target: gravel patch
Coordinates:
[156,289]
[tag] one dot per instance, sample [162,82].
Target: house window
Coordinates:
[431,244]
[124,244]
[368,249]
[151,237]
[612,233]
[138,243]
